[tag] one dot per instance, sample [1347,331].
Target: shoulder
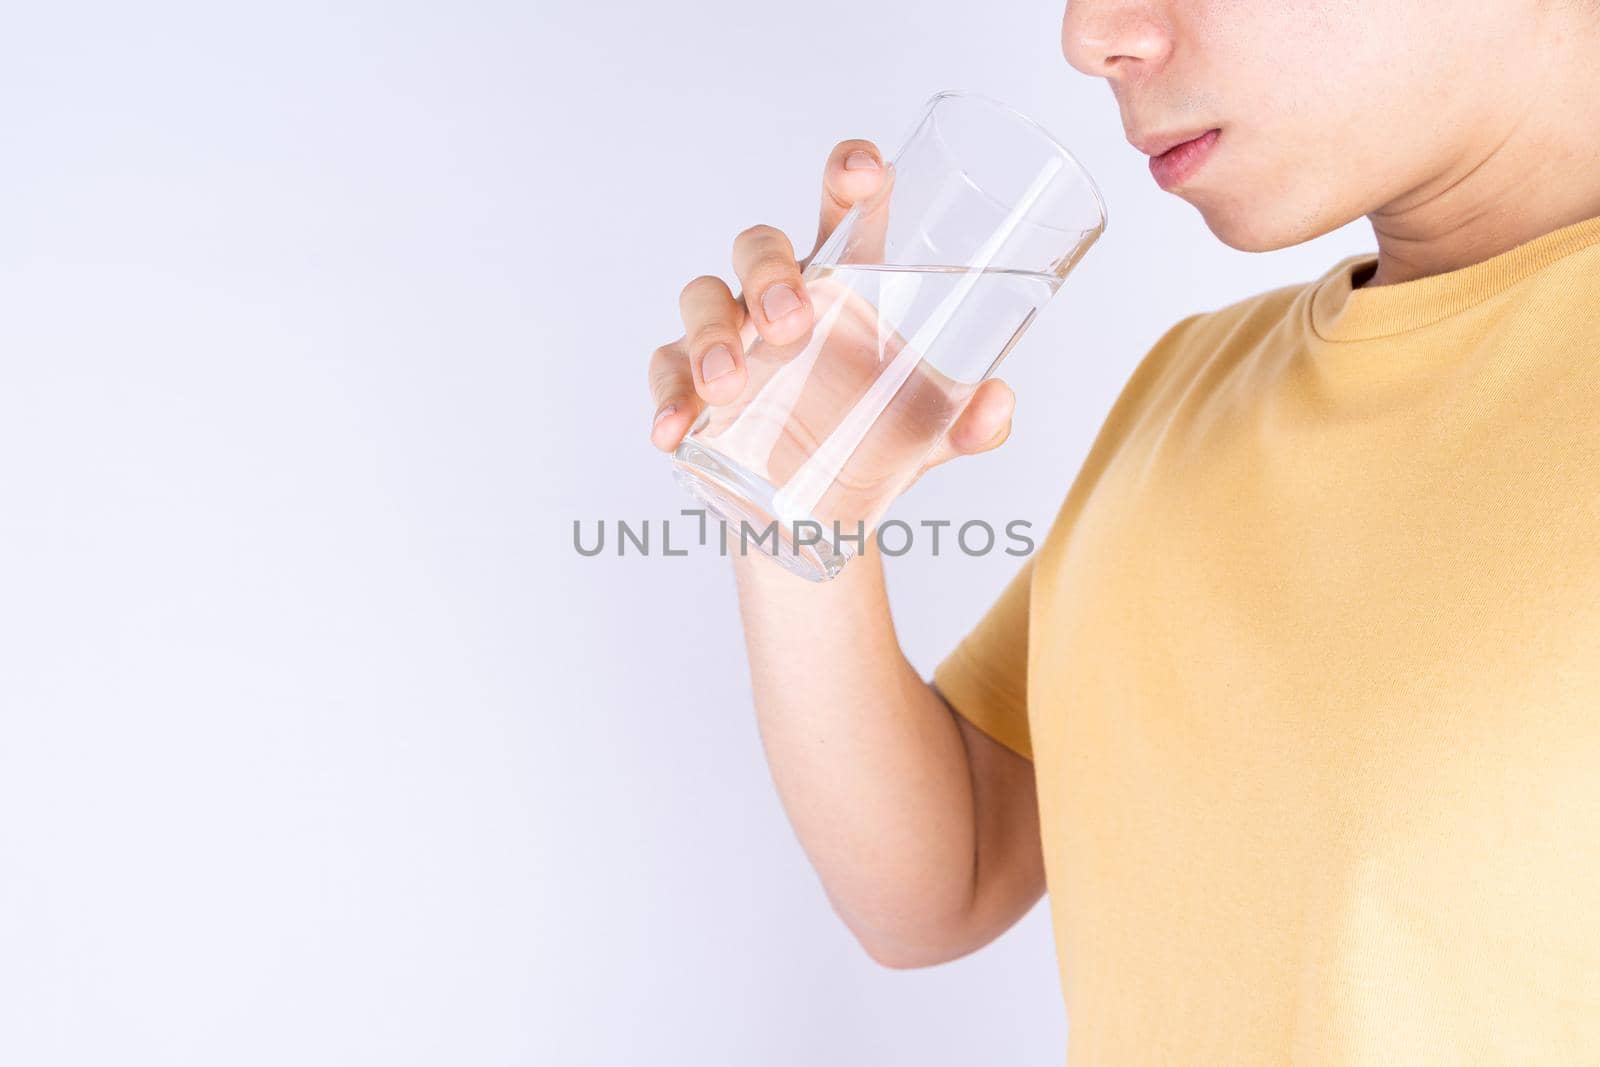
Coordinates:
[1211,338]
[1267,326]
[1180,368]
[1240,322]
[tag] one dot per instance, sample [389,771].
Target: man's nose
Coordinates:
[1115,39]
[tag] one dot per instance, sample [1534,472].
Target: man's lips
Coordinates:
[1182,160]
[1157,144]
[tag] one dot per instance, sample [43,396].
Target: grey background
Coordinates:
[319,325]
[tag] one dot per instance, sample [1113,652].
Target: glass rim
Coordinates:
[1039,128]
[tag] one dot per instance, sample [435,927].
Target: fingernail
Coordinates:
[860,159]
[778,302]
[717,362]
[666,409]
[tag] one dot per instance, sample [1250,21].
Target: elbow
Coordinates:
[908,956]
[903,938]
[897,958]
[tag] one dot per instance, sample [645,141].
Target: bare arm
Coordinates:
[923,830]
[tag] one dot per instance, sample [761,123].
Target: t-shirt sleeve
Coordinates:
[984,678]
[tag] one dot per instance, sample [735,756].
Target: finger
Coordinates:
[854,172]
[672,393]
[712,316]
[763,259]
[984,424]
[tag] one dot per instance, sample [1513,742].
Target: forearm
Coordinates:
[918,852]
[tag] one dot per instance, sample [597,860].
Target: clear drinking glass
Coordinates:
[918,294]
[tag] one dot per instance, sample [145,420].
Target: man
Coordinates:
[1296,710]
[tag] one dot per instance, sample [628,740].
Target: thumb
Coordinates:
[983,424]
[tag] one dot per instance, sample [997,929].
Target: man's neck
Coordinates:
[1539,171]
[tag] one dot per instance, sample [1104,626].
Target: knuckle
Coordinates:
[667,359]
[773,268]
[701,283]
[761,231]
[762,243]
[667,381]
[707,334]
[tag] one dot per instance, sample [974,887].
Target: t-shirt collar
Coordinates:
[1341,312]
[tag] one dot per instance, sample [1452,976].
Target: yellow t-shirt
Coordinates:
[1308,666]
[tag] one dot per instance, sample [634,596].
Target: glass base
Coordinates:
[735,494]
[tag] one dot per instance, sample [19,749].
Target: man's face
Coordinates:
[1328,109]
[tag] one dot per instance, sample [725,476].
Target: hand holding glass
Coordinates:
[918,294]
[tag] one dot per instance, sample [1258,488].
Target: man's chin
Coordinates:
[1248,227]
